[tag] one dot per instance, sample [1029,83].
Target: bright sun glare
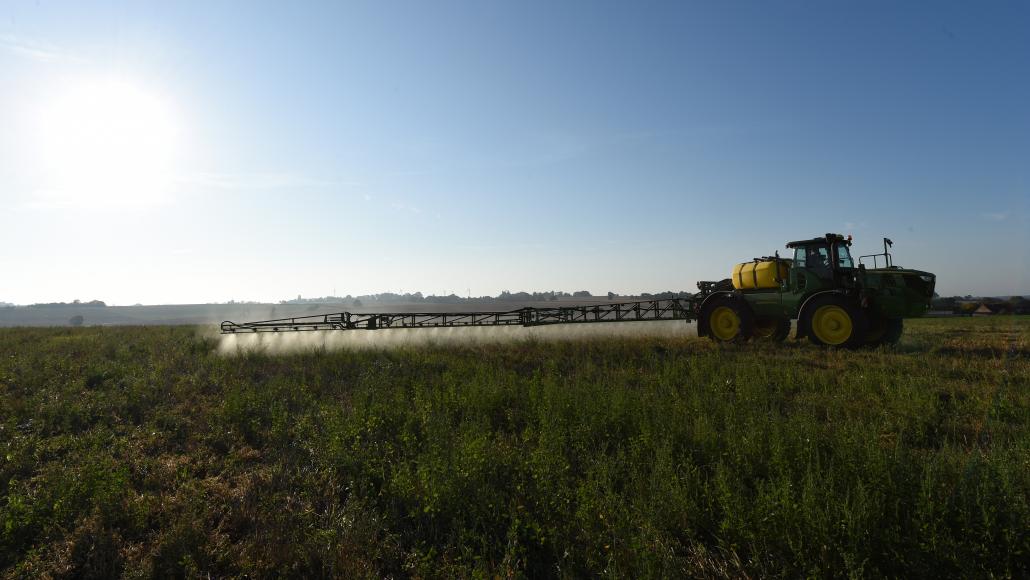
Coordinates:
[106,143]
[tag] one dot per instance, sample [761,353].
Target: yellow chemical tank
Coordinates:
[759,274]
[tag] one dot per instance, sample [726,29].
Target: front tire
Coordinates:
[833,320]
[774,329]
[726,319]
[884,331]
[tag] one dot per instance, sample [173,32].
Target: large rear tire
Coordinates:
[833,320]
[726,319]
[884,331]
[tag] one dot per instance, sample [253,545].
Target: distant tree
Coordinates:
[582,294]
[612,295]
[76,320]
[1019,305]
[357,303]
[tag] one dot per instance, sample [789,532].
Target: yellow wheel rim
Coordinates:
[725,323]
[832,325]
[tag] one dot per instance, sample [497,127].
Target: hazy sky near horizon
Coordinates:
[180,152]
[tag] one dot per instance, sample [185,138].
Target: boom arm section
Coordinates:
[648,310]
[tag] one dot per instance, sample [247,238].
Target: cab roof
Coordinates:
[816,241]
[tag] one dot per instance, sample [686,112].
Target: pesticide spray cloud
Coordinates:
[288,342]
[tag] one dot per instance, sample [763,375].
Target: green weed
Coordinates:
[140,452]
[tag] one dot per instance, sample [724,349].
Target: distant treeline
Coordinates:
[505,296]
[75,303]
[968,304]
[957,304]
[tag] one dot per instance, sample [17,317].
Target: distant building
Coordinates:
[983,310]
[986,309]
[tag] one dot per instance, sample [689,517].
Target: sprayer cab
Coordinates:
[830,252]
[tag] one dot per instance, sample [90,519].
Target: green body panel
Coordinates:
[898,292]
[884,292]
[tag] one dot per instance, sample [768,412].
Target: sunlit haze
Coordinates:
[187,152]
[104,144]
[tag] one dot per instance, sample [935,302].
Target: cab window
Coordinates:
[844,257]
[799,257]
[812,257]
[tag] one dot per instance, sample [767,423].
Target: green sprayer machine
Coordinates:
[835,301]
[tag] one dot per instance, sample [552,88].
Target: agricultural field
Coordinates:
[139,452]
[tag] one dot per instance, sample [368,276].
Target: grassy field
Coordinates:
[141,452]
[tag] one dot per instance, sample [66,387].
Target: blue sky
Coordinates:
[276,149]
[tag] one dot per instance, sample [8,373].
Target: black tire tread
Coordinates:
[739,305]
[859,322]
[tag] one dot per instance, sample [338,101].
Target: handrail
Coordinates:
[887,243]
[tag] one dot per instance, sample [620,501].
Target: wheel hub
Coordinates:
[832,325]
[724,323]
